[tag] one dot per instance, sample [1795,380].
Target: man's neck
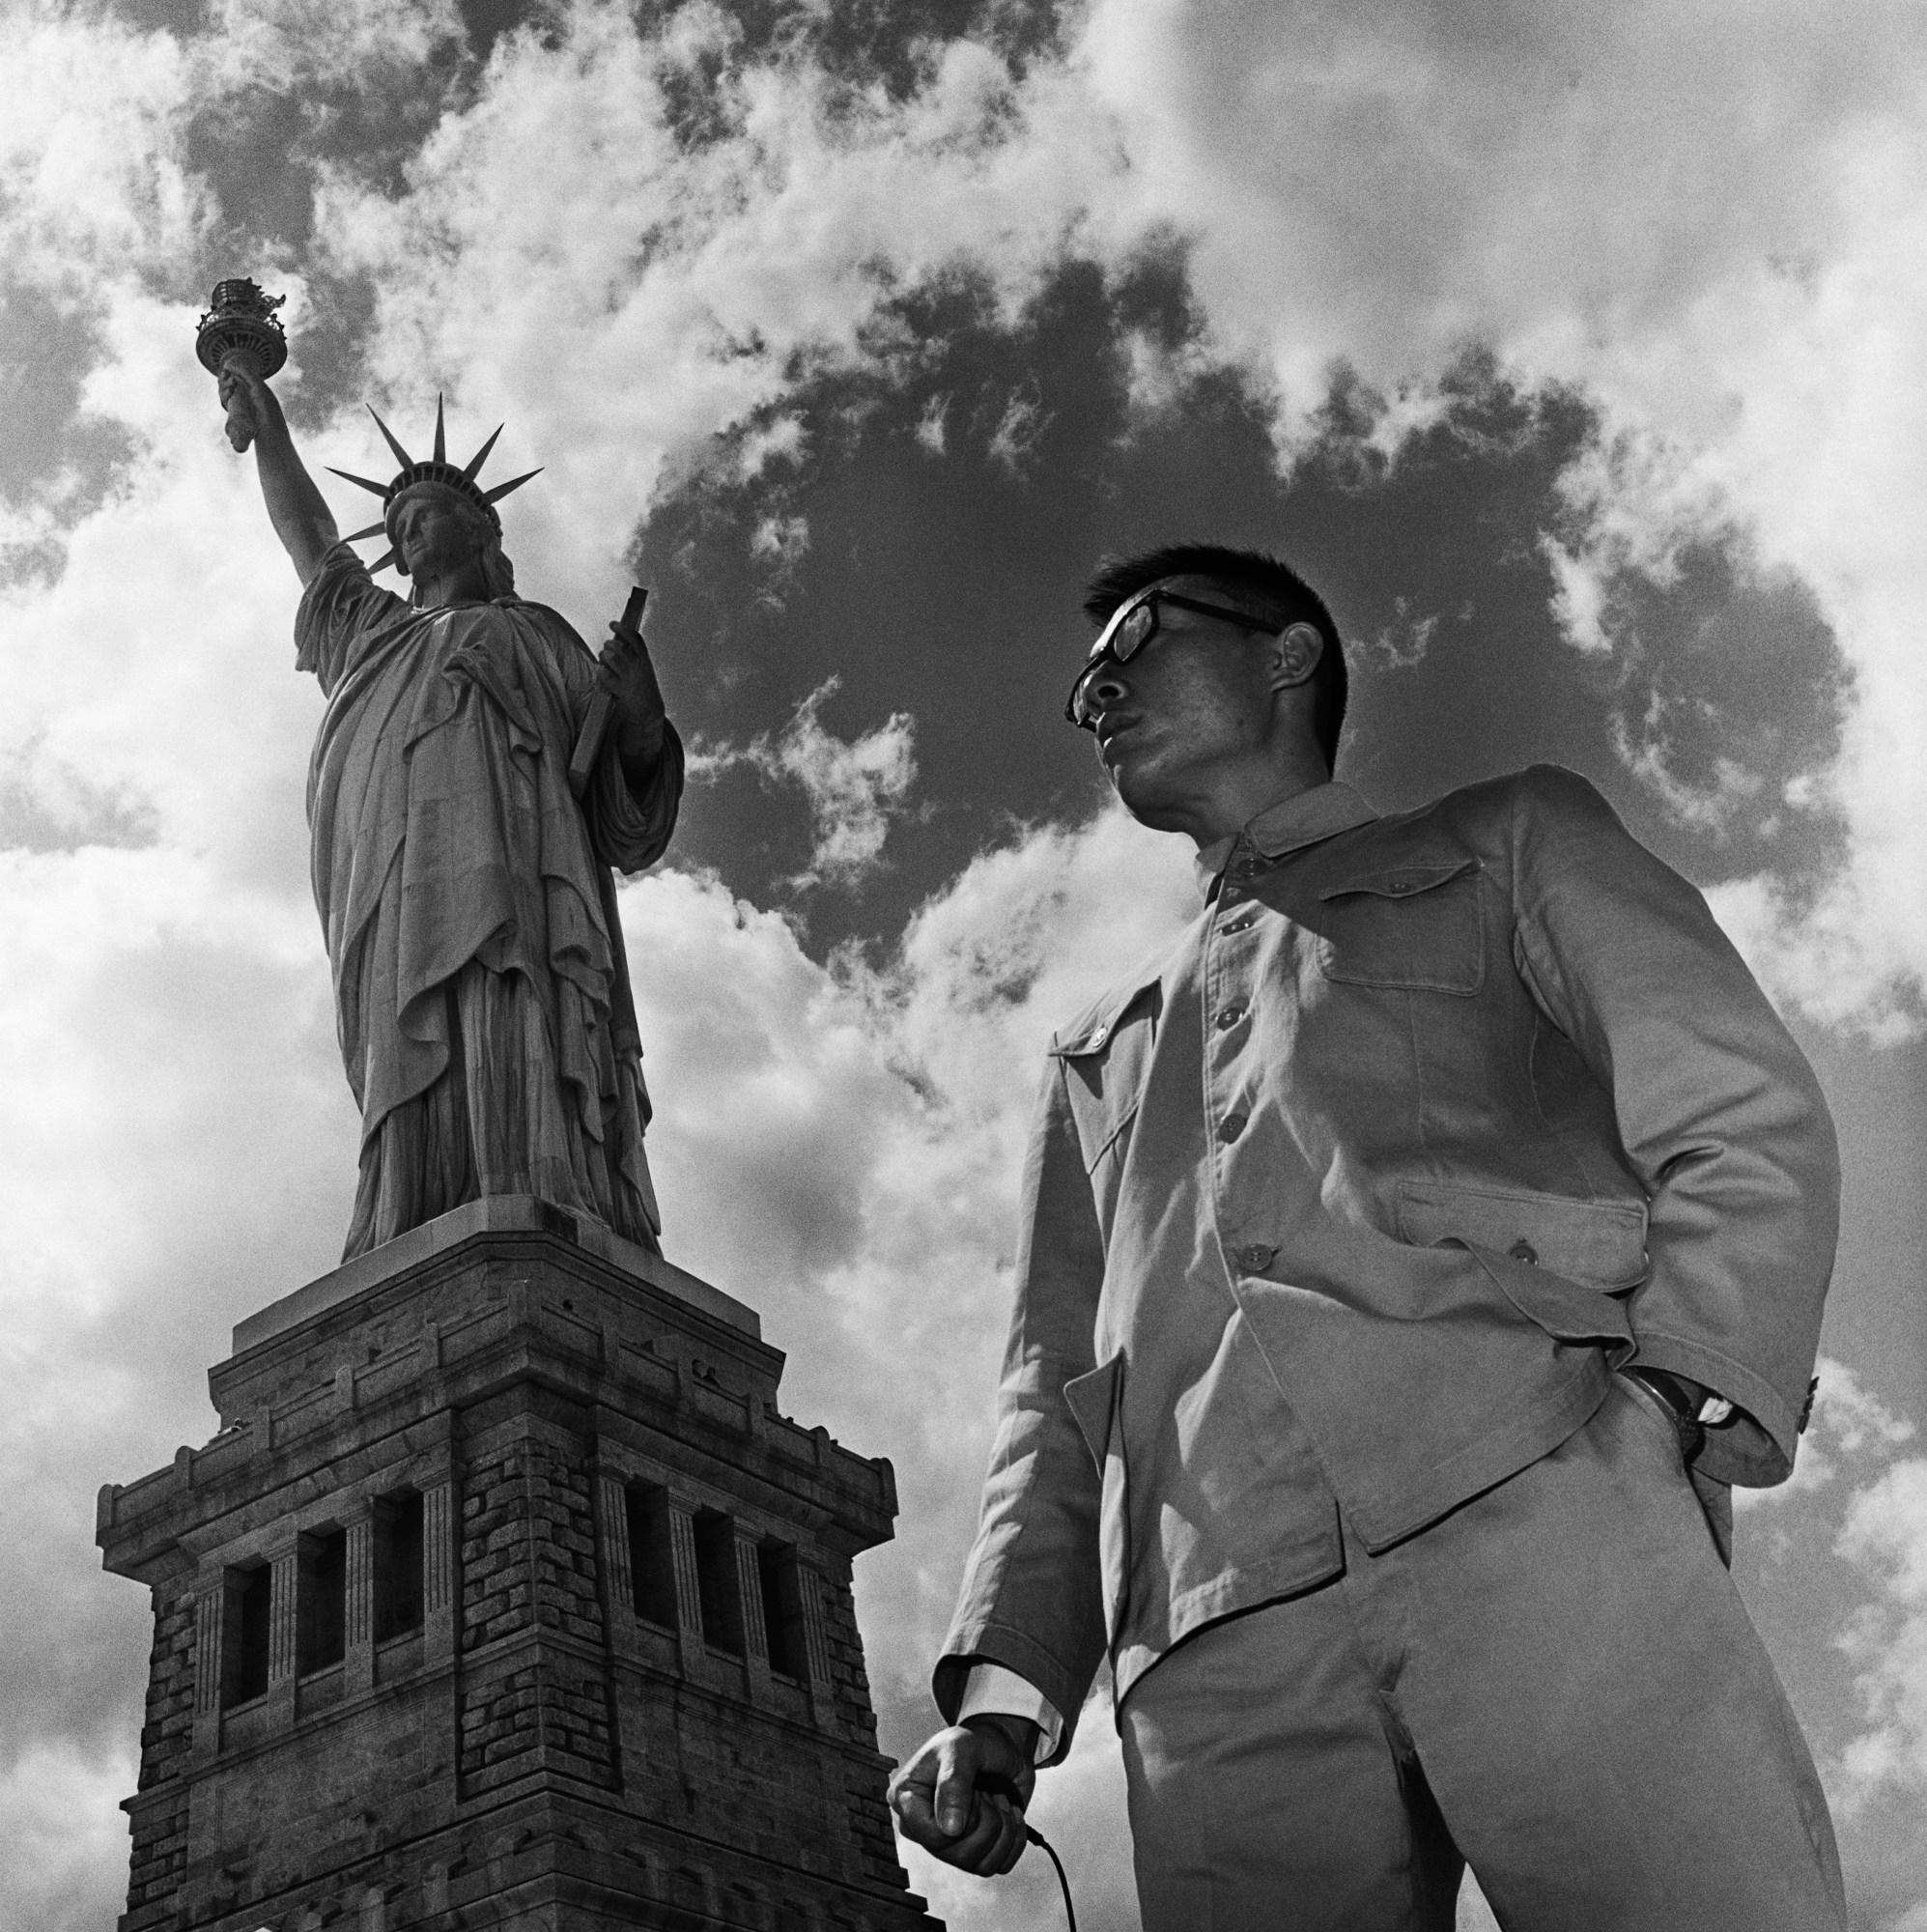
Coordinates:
[1233,805]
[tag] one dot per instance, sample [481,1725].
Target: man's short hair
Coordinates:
[1120,578]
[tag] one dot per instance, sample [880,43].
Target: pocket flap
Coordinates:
[1092,1400]
[1600,1242]
[1398,882]
[1092,1029]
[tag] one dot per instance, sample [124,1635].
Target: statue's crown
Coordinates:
[435,470]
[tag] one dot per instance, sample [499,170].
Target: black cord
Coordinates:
[1043,1844]
[991,1785]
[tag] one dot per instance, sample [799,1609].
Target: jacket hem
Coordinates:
[1254,1591]
[1383,1521]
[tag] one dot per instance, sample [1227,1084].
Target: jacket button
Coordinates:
[1255,1259]
[1237,924]
[1229,1016]
[1399,886]
[1231,1127]
[1522,1250]
[1098,1037]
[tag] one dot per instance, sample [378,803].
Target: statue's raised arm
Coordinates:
[301,519]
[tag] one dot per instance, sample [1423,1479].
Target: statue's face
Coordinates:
[434,533]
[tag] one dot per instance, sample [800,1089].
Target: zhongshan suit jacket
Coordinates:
[1426,1125]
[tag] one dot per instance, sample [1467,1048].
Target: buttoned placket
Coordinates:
[1229,988]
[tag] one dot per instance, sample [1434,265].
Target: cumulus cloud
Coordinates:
[1885,1535]
[1700,222]
[855,786]
[724,269]
[1708,223]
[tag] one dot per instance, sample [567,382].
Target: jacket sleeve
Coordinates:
[1717,1107]
[1031,1597]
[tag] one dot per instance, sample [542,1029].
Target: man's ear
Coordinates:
[1295,655]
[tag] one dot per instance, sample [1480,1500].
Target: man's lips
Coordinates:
[1111,730]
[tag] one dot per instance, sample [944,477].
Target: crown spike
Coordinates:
[373,530]
[382,562]
[401,455]
[501,490]
[481,456]
[440,436]
[349,476]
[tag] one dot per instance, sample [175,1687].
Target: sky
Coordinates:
[1578,354]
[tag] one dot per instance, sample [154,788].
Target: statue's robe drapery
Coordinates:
[481,992]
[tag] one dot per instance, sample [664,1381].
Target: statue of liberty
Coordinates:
[464,889]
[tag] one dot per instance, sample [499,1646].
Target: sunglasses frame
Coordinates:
[1106,647]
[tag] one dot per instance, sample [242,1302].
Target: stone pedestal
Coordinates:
[504,1596]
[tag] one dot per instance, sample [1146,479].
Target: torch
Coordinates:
[240,323]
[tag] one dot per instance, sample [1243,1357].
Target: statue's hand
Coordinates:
[940,1806]
[245,397]
[629,677]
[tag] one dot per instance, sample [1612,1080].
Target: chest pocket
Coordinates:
[1416,928]
[1106,1059]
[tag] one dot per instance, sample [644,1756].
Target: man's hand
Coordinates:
[939,1806]
[629,677]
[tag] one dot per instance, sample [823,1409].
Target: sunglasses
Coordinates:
[1133,625]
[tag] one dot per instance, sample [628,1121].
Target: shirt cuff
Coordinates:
[992,1691]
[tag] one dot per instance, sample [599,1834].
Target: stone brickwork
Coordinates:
[410,1670]
[158,1859]
[168,1734]
[528,1544]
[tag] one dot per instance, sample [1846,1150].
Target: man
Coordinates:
[1410,1262]
[481,992]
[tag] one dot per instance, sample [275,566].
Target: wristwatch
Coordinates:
[1681,1403]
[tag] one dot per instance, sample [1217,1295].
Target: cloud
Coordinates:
[781,541]
[94,180]
[1884,1535]
[1015,441]
[781,440]
[60,1830]
[714,274]
[855,787]
[1710,807]
[1403,642]
[1703,225]
[932,426]
[1709,225]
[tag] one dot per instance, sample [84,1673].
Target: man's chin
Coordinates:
[1139,792]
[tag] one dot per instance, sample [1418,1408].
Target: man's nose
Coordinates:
[1107,688]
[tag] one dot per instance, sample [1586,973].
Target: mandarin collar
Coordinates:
[1303,819]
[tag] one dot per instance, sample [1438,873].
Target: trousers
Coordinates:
[1556,1684]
